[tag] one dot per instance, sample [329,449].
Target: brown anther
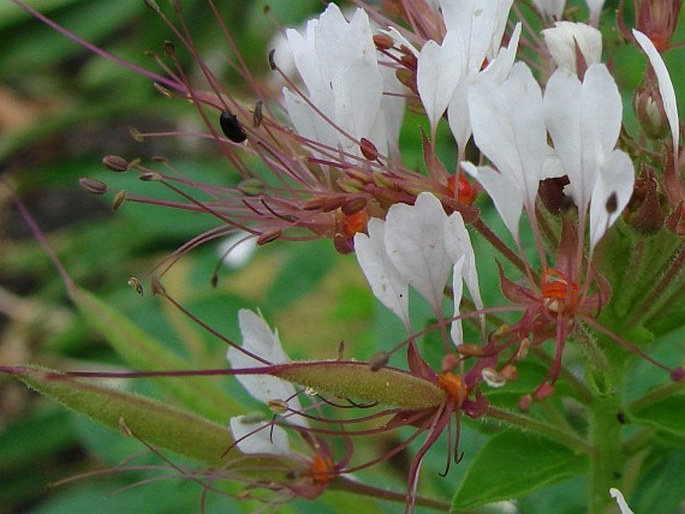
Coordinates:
[162,90]
[357,174]
[150,176]
[314,203]
[169,49]
[119,199]
[278,406]
[409,61]
[353,206]
[93,186]
[378,361]
[469,350]
[115,163]
[368,149]
[257,115]
[332,203]
[268,237]
[136,134]
[272,63]
[134,282]
[383,42]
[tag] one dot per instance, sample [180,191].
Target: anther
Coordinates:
[119,199]
[115,163]
[278,406]
[93,186]
[133,281]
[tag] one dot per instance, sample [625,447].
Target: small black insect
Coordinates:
[231,128]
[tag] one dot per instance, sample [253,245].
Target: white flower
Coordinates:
[259,340]
[595,7]
[508,127]
[553,8]
[446,72]
[418,245]
[665,85]
[337,61]
[584,121]
[565,36]
[618,496]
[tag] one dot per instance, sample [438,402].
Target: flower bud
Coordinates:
[649,107]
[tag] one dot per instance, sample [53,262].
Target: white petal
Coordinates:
[562,39]
[665,85]
[456,330]
[386,282]
[458,246]
[235,251]
[437,75]
[562,117]
[620,500]
[415,242]
[595,7]
[508,127]
[551,7]
[616,177]
[358,90]
[505,194]
[261,437]
[260,340]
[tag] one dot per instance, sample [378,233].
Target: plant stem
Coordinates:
[606,464]
[352,486]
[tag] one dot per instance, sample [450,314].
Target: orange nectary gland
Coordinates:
[463,189]
[453,385]
[555,286]
[322,470]
[355,223]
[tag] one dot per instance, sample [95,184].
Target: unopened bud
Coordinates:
[649,108]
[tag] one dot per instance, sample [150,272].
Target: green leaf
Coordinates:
[512,464]
[144,352]
[156,423]
[662,488]
[667,415]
